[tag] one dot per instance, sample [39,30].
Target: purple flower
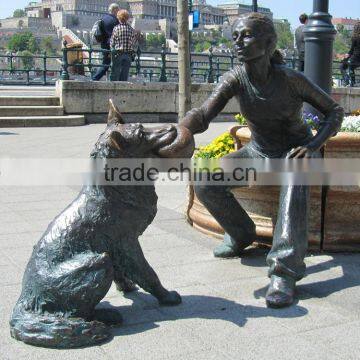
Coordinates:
[312,120]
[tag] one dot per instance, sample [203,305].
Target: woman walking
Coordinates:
[122,40]
[271,97]
[352,59]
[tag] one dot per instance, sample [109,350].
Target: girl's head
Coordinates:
[123,16]
[254,36]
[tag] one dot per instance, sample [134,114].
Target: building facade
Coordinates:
[348,23]
[153,9]
[73,14]
[209,15]
[233,10]
[82,14]
[166,9]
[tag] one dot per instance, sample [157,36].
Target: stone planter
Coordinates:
[341,211]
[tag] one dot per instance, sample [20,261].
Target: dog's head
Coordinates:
[122,140]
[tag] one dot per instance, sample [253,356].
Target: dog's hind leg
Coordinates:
[140,272]
[64,300]
[80,283]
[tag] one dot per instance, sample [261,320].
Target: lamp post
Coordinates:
[319,36]
[254,6]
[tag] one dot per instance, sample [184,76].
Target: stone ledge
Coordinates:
[149,118]
[42,121]
[84,97]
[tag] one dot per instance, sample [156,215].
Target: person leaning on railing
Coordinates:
[122,41]
[352,59]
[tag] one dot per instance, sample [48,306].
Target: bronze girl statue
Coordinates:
[271,97]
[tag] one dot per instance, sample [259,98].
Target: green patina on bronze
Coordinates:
[271,98]
[92,243]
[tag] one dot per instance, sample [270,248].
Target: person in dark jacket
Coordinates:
[352,59]
[109,22]
[300,43]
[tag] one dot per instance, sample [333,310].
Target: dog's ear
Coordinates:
[117,141]
[114,115]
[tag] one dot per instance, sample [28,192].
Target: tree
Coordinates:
[33,46]
[23,41]
[162,39]
[202,42]
[342,40]
[155,41]
[202,46]
[19,13]
[341,46]
[198,47]
[285,37]
[47,45]
[27,60]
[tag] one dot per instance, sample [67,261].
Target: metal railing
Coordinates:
[13,70]
[148,66]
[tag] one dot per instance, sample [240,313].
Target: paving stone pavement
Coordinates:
[223,314]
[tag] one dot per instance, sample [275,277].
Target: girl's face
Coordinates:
[249,43]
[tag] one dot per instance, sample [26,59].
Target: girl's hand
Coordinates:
[301,152]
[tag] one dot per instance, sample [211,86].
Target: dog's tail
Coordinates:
[56,332]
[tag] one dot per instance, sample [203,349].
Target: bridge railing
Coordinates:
[147,66]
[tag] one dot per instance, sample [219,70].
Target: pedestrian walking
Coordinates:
[108,22]
[300,43]
[122,41]
[352,59]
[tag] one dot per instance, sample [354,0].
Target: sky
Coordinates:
[284,9]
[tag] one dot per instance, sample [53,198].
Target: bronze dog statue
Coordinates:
[92,243]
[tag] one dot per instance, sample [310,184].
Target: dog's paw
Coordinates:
[171,298]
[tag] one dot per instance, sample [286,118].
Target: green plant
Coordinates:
[23,41]
[240,119]
[154,42]
[219,147]
[285,36]
[342,40]
[46,44]
[27,59]
[19,13]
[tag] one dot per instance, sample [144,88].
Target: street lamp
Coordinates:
[319,37]
[254,6]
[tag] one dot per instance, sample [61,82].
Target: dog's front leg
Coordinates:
[138,270]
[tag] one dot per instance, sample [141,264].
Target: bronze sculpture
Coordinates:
[271,97]
[93,242]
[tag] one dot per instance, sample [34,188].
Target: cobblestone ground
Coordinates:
[223,314]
